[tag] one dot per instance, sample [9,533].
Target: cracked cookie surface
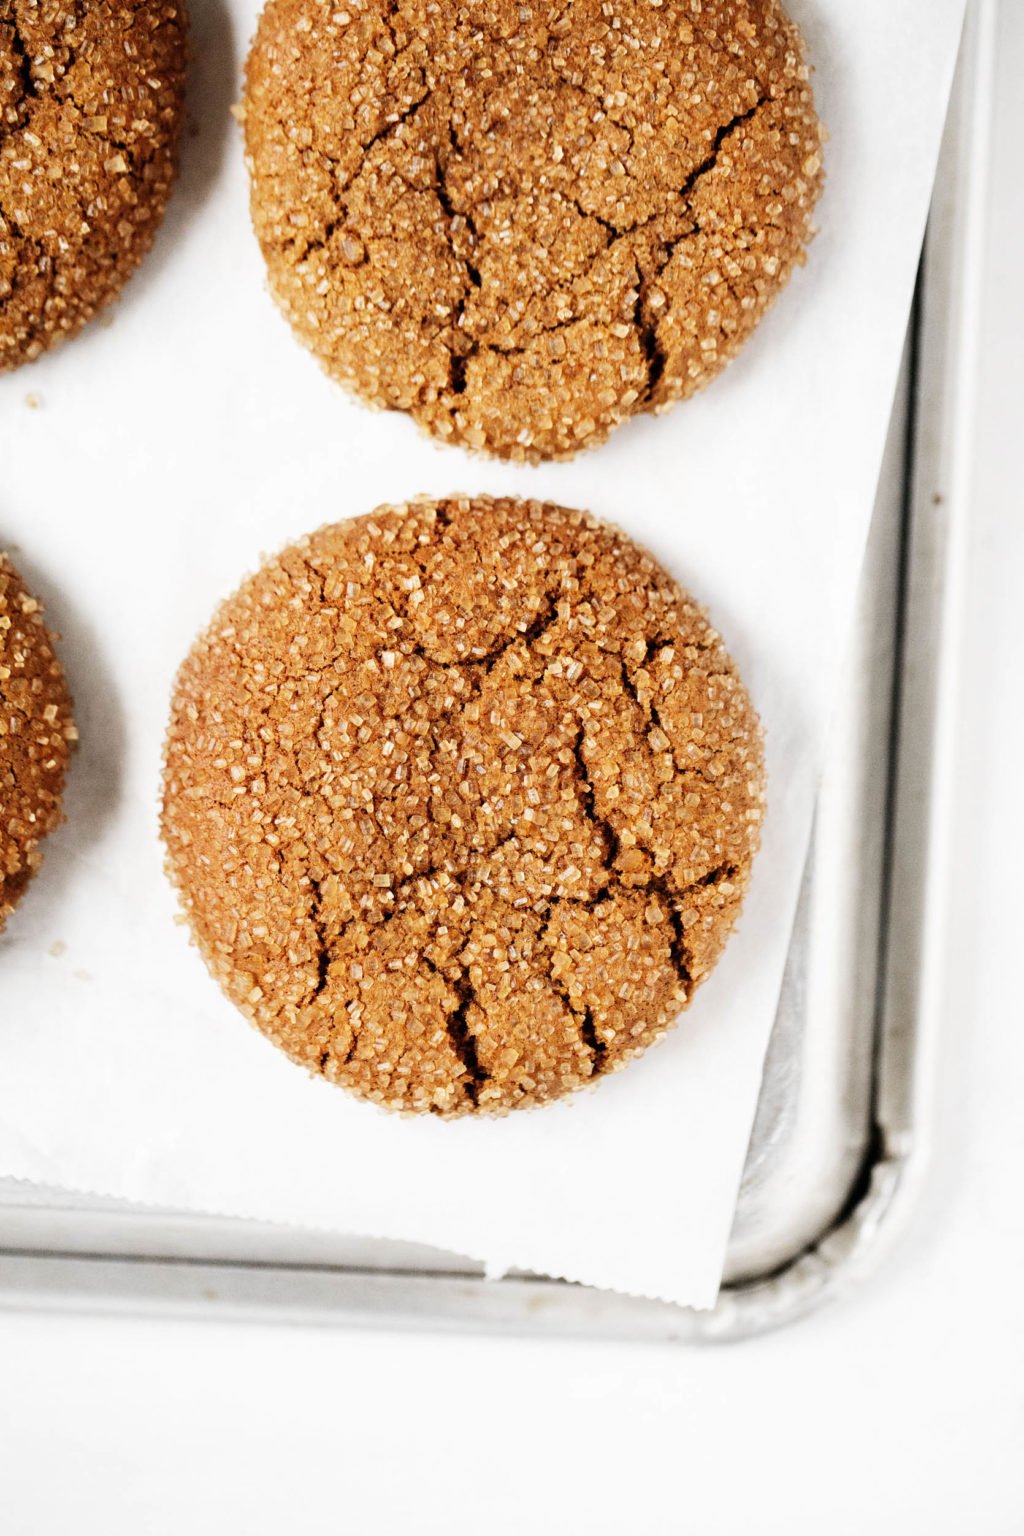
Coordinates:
[91,95]
[36,735]
[524,224]
[461,800]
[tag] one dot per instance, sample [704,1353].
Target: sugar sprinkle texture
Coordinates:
[36,736]
[525,223]
[461,800]
[91,97]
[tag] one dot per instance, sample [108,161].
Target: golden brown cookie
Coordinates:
[91,96]
[524,224]
[36,733]
[461,800]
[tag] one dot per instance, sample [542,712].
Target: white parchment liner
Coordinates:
[169,448]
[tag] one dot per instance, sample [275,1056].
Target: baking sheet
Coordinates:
[168,449]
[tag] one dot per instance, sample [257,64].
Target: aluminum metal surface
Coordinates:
[843,1111]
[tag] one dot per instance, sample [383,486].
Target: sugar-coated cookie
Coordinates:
[91,95]
[525,223]
[36,736]
[461,800]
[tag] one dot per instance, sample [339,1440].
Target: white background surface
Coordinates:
[900,1410]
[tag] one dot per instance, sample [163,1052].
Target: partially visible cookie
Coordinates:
[461,801]
[91,95]
[36,734]
[525,223]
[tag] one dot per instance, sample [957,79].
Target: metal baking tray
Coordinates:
[841,1121]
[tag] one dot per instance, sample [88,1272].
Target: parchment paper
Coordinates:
[165,450]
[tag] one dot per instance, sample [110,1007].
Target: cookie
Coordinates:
[36,735]
[524,224]
[461,800]
[91,95]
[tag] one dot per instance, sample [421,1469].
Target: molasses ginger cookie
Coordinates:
[461,800]
[91,95]
[36,735]
[525,223]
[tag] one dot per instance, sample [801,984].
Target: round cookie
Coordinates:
[524,224]
[461,800]
[36,734]
[91,95]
